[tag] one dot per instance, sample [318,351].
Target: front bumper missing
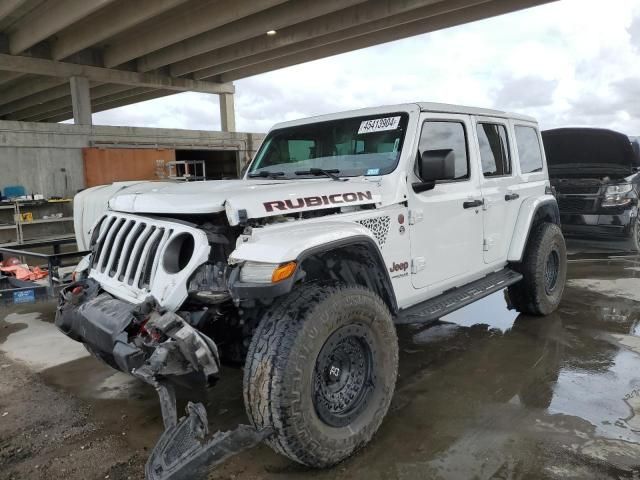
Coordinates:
[156,346]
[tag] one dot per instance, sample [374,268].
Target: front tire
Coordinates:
[544,271]
[321,371]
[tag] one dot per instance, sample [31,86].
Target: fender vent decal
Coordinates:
[379,226]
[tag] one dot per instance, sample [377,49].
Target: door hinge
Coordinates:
[415,216]
[485,245]
[418,264]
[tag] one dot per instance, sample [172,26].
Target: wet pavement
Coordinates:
[483,393]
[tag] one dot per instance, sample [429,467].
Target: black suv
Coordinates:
[595,174]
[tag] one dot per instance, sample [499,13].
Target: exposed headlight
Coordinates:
[256,272]
[618,195]
[178,253]
[82,269]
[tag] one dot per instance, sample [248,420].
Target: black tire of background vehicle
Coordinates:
[634,240]
[281,371]
[544,268]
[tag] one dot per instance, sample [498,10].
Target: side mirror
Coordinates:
[434,165]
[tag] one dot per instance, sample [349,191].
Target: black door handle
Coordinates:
[511,196]
[472,204]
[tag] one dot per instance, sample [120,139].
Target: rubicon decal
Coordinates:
[317,201]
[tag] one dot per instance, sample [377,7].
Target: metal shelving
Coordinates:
[12,224]
[41,207]
[47,220]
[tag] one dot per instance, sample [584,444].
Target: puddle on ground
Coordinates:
[620,287]
[482,393]
[37,343]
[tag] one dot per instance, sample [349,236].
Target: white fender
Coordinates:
[285,242]
[523,225]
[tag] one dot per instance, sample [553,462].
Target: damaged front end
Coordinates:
[159,347]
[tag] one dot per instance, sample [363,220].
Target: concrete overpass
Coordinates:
[62,59]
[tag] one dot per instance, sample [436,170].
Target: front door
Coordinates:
[446,222]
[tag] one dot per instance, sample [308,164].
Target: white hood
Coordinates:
[245,198]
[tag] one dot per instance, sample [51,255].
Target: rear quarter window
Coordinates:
[529,150]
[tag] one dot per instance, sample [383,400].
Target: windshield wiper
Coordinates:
[266,174]
[321,171]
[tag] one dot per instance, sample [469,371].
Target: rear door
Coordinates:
[499,184]
[531,167]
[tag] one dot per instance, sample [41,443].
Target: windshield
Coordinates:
[349,147]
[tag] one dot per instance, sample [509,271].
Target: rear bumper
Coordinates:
[599,226]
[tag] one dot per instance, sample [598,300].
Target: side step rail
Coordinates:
[459,297]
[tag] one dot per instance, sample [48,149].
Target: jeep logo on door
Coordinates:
[399,267]
[317,201]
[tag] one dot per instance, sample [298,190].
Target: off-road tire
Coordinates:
[634,239]
[281,373]
[534,294]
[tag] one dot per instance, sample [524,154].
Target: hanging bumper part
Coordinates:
[157,346]
[186,450]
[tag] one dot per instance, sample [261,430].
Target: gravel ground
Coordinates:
[47,434]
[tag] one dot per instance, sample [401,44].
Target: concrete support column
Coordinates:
[80,100]
[227,113]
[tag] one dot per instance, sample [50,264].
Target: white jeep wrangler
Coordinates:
[343,226]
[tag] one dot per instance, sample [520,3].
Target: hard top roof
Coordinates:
[406,107]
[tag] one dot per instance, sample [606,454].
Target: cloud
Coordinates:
[526,92]
[569,62]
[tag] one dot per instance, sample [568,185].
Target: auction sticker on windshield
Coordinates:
[379,125]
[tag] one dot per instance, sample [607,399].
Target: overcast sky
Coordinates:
[573,62]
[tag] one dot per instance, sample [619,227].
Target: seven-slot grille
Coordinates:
[127,248]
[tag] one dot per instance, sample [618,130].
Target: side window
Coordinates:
[494,149]
[529,150]
[443,135]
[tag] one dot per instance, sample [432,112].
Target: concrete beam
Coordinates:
[150,95]
[180,25]
[257,25]
[9,6]
[107,23]
[471,14]
[26,89]
[6,77]
[47,95]
[352,22]
[227,113]
[80,100]
[39,66]
[63,103]
[43,22]
[95,104]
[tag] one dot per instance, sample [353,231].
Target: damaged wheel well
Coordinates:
[352,262]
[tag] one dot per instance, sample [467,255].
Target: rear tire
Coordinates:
[634,240]
[544,271]
[321,371]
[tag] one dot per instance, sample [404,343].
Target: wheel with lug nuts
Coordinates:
[321,371]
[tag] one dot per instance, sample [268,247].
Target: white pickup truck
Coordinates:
[343,226]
